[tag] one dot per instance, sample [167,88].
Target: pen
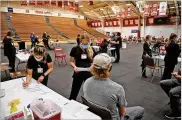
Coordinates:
[23,80]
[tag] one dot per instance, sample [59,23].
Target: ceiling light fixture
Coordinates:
[101,9]
[128,4]
[172,7]
[81,6]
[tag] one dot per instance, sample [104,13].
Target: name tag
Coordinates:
[83,56]
[39,70]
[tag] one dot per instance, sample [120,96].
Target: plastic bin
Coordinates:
[45,110]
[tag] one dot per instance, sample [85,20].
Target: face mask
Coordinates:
[84,46]
[38,59]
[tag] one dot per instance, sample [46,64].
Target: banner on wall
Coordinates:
[10,9]
[40,12]
[146,10]
[162,8]
[134,31]
[154,10]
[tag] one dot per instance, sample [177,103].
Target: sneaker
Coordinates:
[172,116]
[144,76]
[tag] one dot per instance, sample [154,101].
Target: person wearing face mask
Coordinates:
[10,50]
[171,58]
[39,66]
[102,91]
[146,52]
[80,57]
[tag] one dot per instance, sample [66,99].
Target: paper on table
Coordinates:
[83,69]
[74,108]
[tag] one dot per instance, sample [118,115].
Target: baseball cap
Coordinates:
[101,61]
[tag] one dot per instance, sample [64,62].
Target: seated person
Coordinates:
[172,88]
[101,90]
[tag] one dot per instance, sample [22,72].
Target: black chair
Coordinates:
[103,112]
[21,45]
[149,63]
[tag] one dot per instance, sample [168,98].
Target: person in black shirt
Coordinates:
[45,38]
[39,66]
[118,45]
[78,39]
[171,57]
[80,57]
[113,37]
[10,50]
[146,51]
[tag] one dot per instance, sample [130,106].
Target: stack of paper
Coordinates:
[74,108]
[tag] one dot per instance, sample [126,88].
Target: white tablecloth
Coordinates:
[22,56]
[161,57]
[14,90]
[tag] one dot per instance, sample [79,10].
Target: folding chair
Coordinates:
[149,63]
[4,67]
[103,112]
[15,75]
[58,52]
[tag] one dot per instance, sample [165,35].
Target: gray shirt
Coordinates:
[106,93]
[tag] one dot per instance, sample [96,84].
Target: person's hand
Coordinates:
[178,76]
[25,84]
[174,73]
[41,78]
[76,69]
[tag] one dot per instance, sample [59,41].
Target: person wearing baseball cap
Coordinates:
[101,90]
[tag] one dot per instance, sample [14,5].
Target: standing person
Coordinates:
[45,38]
[101,90]
[118,45]
[171,57]
[10,50]
[39,66]
[78,39]
[80,57]
[32,38]
[146,51]
[113,37]
[172,87]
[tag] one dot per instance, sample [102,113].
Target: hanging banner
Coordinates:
[32,2]
[154,10]
[162,8]
[60,3]
[123,13]
[46,3]
[91,3]
[71,5]
[53,3]
[76,7]
[24,3]
[39,3]
[129,11]
[146,10]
